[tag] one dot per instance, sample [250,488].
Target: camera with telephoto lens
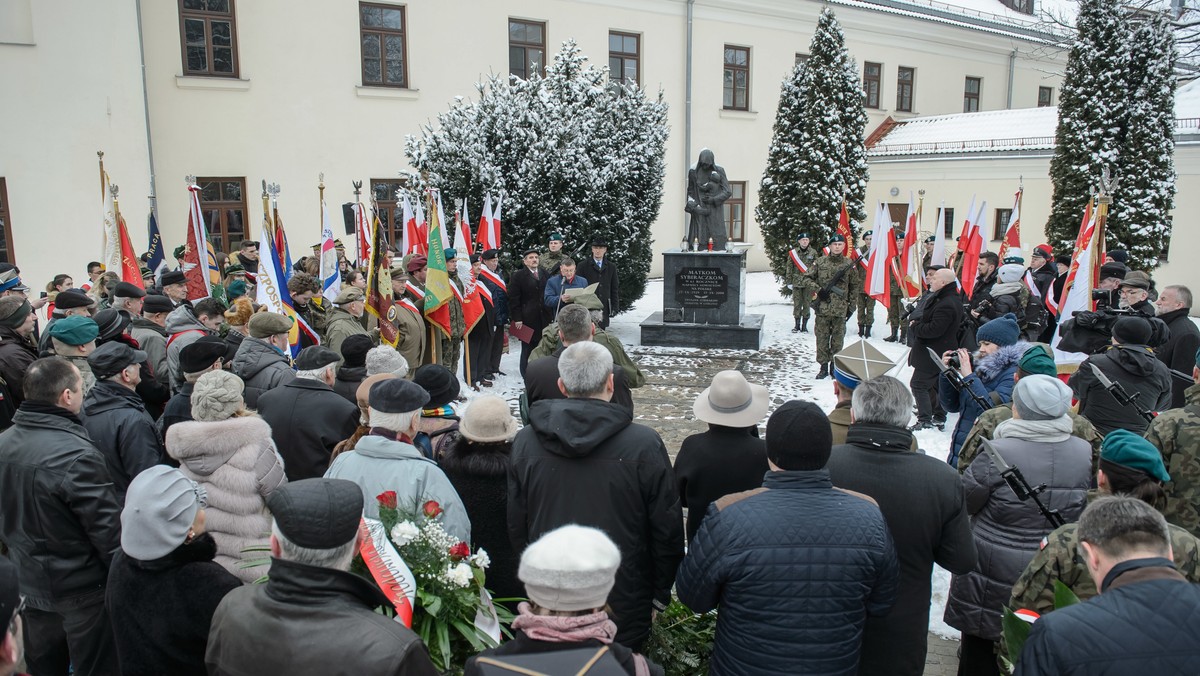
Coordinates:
[954,362]
[1106,297]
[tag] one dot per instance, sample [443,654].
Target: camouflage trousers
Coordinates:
[894,311]
[831,333]
[801,301]
[449,352]
[866,310]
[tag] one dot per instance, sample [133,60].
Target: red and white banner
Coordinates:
[462,233]
[1077,291]
[1012,235]
[388,569]
[910,273]
[880,259]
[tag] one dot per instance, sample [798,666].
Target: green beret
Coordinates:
[179,250]
[1124,448]
[234,269]
[1038,360]
[556,237]
[75,330]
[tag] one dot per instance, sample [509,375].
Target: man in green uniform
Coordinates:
[899,329]
[1176,435]
[866,304]
[552,259]
[832,280]
[800,262]
[450,348]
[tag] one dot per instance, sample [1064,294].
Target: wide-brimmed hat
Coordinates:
[732,401]
[488,420]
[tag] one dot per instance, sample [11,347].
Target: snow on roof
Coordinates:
[1187,101]
[990,16]
[1022,129]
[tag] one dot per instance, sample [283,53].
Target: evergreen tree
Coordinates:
[1140,220]
[1091,115]
[571,152]
[817,151]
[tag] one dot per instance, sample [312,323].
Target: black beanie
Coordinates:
[1132,331]
[355,348]
[799,436]
[439,382]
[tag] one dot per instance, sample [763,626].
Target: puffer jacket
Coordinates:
[261,367]
[992,380]
[152,339]
[117,421]
[182,329]
[794,594]
[59,514]
[585,461]
[1138,371]
[1008,531]
[236,462]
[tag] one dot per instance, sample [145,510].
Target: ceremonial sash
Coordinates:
[408,304]
[797,262]
[414,290]
[494,278]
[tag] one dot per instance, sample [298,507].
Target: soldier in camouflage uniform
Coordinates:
[866,304]
[835,305]
[450,348]
[899,329]
[1037,360]
[1133,468]
[795,280]
[552,259]
[1176,434]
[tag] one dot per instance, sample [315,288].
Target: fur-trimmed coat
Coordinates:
[236,462]
[991,380]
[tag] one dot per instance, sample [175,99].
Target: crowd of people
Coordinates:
[179,494]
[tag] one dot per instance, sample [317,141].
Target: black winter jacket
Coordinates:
[499,298]
[795,567]
[922,500]
[161,610]
[715,463]
[348,380]
[1179,352]
[262,367]
[300,623]
[525,302]
[59,513]
[1143,622]
[941,316]
[609,288]
[307,420]
[1138,371]
[177,410]
[16,354]
[585,461]
[118,424]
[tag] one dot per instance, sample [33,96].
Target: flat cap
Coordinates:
[314,357]
[112,322]
[397,396]
[417,262]
[173,277]
[75,330]
[111,358]
[267,324]
[528,251]
[156,303]
[201,354]
[317,513]
[127,290]
[73,298]
[1136,279]
[350,294]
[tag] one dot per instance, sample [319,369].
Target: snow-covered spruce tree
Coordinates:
[1140,220]
[1091,115]
[572,152]
[817,149]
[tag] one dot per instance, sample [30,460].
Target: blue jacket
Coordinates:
[556,285]
[1143,622]
[796,567]
[992,380]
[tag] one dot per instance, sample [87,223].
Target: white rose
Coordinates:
[404,533]
[460,575]
[481,559]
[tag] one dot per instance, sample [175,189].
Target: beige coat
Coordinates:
[236,463]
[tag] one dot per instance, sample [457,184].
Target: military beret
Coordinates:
[113,357]
[75,330]
[931,239]
[314,357]
[200,354]
[417,262]
[350,294]
[317,513]
[803,235]
[491,254]
[476,258]
[836,238]
[73,298]
[174,277]
[156,303]
[1014,259]
[180,250]
[127,290]
[1127,449]
[1038,360]
[397,396]
[867,233]
[556,237]
[451,254]
[235,269]
[267,324]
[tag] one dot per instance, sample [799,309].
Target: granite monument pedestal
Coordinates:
[704,299]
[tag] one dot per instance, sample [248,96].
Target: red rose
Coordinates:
[460,551]
[432,509]
[387,499]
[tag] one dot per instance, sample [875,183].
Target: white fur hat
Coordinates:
[570,568]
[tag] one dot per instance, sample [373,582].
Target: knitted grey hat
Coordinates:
[160,507]
[570,568]
[217,396]
[1039,397]
[385,359]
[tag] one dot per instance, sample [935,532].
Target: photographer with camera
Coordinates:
[933,326]
[1133,365]
[1120,294]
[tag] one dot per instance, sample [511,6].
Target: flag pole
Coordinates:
[100,157]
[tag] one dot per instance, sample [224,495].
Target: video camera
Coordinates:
[1107,298]
[1090,332]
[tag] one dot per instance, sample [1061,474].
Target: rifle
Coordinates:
[828,288]
[1020,486]
[956,380]
[1118,392]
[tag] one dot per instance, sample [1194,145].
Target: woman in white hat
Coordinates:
[729,457]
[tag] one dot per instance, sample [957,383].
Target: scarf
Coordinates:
[1047,431]
[1004,288]
[389,434]
[437,412]
[558,629]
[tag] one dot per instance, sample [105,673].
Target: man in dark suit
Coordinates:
[597,270]
[526,307]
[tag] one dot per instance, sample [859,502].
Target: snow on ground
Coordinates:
[790,377]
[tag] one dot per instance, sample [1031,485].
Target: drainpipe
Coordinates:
[687,105]
[1012,74]
[146,106]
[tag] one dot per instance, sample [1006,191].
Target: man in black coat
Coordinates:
[922,500]
[1143,621]
[1179,352]
[526,307]
[115,416]
[307,417]
[597,270]
[60,518]
[1133,365]
[583,460]
[493,278]
[936,329]
[198,358]
[541,377]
